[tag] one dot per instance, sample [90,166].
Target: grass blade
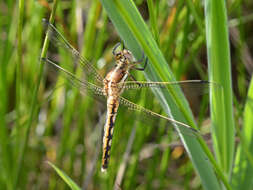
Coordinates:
[66,178]
[220,72]
[34,103]
[243,171]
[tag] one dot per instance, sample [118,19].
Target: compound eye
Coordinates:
[118,55]
[129,56]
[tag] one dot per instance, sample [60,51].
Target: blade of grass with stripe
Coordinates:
[243,171]
[136,36]
[8,54]
[220,71]
[66,178]
[33,105]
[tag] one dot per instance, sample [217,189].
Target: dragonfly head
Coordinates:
[124,56]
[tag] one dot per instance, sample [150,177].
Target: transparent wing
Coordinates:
[85,87]
[150,115]
[193,86]
[58,40]
[195,92]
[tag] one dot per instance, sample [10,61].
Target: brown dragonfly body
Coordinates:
[112,86]
[112,90]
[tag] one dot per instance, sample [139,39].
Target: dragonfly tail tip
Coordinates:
[103,169]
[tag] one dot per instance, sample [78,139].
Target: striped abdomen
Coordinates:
[112,107]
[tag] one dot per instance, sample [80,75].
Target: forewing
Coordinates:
[195,91]
[58,41]
[189,87]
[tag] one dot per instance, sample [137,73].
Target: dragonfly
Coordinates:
[112,86]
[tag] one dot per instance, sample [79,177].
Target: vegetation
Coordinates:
[50,133]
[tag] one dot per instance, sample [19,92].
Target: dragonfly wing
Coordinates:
[85,87]
[190,87]
[58,40]
[195,91]
[148,114]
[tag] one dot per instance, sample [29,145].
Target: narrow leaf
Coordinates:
[66,178]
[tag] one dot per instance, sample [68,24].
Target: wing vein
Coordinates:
[176,124]
[57,39]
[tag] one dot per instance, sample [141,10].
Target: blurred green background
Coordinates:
[44,118]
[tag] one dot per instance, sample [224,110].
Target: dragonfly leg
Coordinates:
[141,69]
[116,46]
[140,60]
[133,78]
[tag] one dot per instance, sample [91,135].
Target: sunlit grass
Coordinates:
[65,127]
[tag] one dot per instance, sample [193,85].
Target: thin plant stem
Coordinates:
[34,101]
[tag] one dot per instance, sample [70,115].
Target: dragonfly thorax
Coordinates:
[119,73]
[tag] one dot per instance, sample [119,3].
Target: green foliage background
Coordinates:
[48,130]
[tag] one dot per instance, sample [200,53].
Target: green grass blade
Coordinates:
[243,171]
[66,178]
[33,103]
[19,63]
[220,72]
[153,19]
[196,16]
[6,154]
[137,37]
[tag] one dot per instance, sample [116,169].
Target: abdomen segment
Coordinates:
[112,107]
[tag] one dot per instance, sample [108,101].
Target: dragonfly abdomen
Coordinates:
[112,107]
